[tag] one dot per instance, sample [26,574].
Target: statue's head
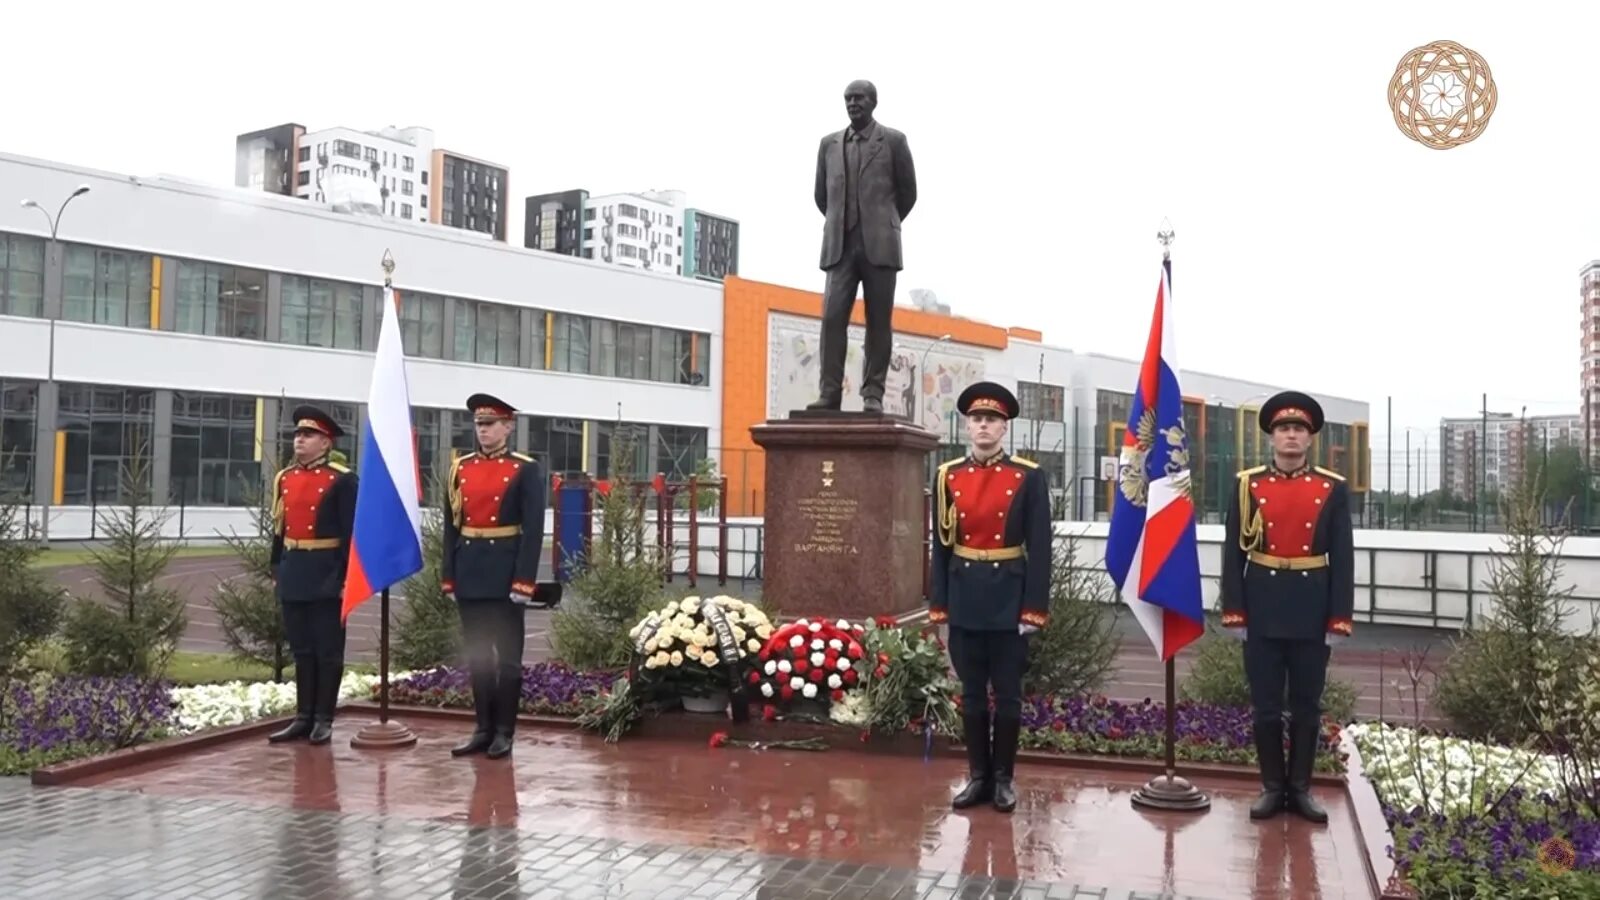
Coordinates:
[860,99]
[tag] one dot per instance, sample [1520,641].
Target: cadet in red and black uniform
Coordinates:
[313,513]
[493,538]
[991,584]
[1288,590]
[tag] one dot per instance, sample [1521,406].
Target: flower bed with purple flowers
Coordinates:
[51,720]
[1205,733]
[547,688]
[1473,820]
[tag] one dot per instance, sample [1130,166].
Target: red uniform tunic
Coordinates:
[494,526]
[991,558]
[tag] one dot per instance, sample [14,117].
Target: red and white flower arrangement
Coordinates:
[810,659]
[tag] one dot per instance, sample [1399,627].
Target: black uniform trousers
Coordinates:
[1296,668]
[985,659]
[839,298]
[492,634]
[316,640]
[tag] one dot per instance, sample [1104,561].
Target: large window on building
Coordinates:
[569,343]
[21,275]
[622,448]
[426,424]
[679,451]
[106,429]
[347,415]
[488,333]
[214,450]
[1041,402]
[107,287]
[319,313]
[19,417]
[221,301]
[422,324]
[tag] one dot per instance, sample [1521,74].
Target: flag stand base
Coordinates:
[382,736]
[1171,792]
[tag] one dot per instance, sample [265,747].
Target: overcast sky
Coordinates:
[1317,246]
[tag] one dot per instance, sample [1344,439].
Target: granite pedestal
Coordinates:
[845,514]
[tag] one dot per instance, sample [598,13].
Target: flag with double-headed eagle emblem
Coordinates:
[1151,553]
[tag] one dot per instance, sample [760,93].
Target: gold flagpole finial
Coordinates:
[388,269]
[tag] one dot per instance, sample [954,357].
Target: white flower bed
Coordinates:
[236,702]
[1449,775]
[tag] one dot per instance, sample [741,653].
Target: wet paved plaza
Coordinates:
[569,816]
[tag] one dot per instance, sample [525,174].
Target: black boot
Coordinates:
[1302,759]
[980,774]
[1007,729]
[507,697]
[1269,756]
[305,679]
[483,712]
[330,669]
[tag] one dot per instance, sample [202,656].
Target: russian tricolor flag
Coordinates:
[386,547]
[1152,517]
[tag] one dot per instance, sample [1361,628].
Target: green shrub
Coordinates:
[1488,687]
[1077,650]
[1217,677]
[31,607]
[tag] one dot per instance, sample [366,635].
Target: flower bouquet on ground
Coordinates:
[809,661]
[905,683]
[688,646]
[689,651]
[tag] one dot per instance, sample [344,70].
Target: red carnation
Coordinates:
[755,677]
[879,672]
[818,674]
[850,677]
[769,712]
[800,666]
[718,739]
[837,696]
[885,622]
[854,652]
[786,692]
[883,658]
[831,659]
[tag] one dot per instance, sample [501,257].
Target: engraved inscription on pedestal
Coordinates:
[830,518]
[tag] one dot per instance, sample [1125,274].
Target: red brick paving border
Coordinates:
[684,727]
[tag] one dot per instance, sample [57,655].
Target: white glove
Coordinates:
[451,595]
[1332,639]
[1025,628]
[1239,633]
[521,599]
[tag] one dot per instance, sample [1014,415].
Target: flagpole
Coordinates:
[384,734]
[1170,791]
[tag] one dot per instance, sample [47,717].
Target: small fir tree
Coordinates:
[247,604]
[135,628]
[1077,649]
[617,576]
[428,625]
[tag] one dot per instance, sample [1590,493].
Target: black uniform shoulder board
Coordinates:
[1328,472]
[339,467]
[523,456]
[1252,471]
[1024,462]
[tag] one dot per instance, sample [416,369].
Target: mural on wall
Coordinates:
[793,367]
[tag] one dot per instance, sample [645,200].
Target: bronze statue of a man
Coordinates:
[866,186]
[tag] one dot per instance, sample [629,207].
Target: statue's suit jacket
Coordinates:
[888,189]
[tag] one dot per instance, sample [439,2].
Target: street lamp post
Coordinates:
[50,372]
